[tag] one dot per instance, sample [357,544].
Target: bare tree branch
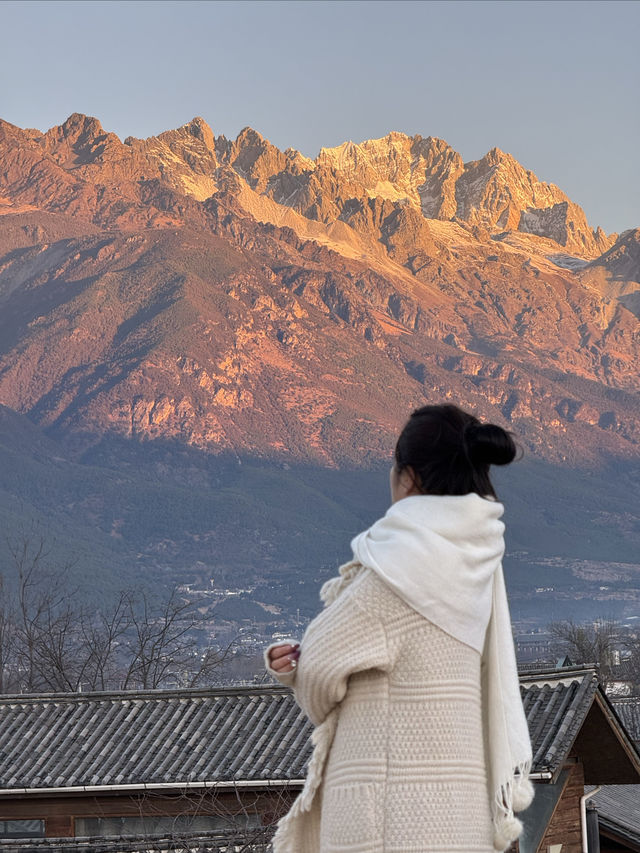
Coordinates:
[592,643]
[49,642]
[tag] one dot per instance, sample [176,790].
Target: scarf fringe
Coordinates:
[321,738]
[514,795]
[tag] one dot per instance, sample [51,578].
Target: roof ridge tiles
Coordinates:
[175,692]
[563,674]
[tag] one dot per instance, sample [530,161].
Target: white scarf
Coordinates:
[442,555]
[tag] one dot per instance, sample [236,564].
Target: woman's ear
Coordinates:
[409,482]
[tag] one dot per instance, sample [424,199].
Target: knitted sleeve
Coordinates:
[342,640]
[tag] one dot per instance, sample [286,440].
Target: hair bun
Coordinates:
[489,444]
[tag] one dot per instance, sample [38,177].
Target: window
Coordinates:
[21,829]
[110,826]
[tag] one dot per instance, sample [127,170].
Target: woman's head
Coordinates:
[445,451]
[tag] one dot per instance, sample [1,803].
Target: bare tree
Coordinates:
[243,821]
[6,638]
[160,645]
[51,642]
[630,664]
[591,643]
[102,636]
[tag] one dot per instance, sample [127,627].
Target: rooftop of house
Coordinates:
[628,709]
[254,735]
[151,738]
[619,812]
[556,703]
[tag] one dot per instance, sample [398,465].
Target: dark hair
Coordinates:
[450,451]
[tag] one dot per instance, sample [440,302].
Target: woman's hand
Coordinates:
[284,658]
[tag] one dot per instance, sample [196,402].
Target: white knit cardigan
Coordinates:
[438,557]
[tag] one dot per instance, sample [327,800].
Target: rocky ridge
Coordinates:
[238,298]
[616,274]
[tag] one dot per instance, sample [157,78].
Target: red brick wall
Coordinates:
[58,827]
[564,827]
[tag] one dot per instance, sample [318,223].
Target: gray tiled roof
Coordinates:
[209,842]
[629,712]
[152,737]
[253,734]
[556,704]
[619,809]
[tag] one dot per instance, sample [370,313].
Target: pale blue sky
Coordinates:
[554,83]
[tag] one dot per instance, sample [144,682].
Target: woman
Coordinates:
[409,673]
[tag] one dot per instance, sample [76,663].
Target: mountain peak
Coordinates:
[81,139]
[79,124]
[199,128]
[396,135]
[340,156]
[496,156]
[249,136]
[393,139]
